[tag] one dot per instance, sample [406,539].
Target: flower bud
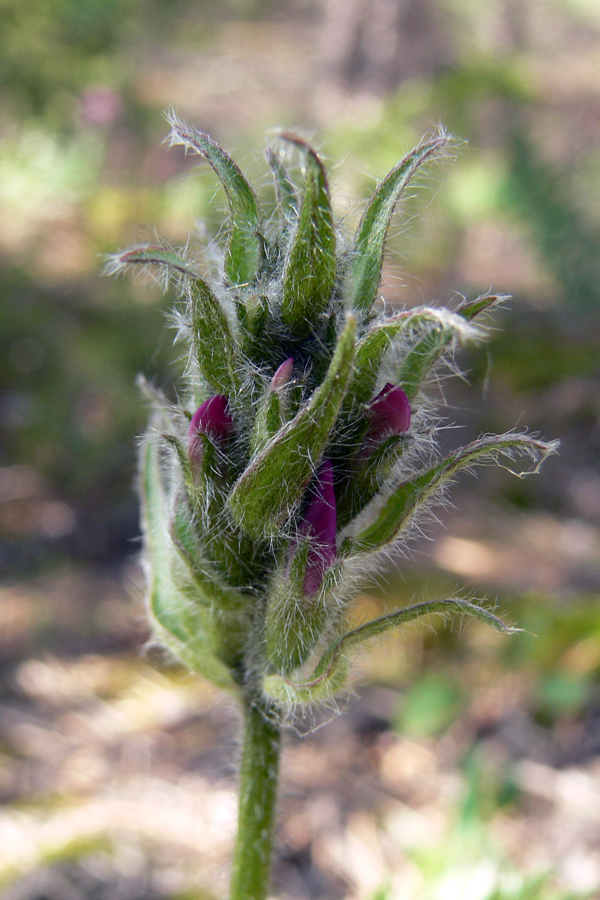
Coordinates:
[319,524]
[213,419]
[283,375]
[390,414]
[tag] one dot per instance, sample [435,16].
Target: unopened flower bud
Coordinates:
[390,413]
[283,375]
[213,419]
[319,524]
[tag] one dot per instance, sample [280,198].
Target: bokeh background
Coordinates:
[466,764]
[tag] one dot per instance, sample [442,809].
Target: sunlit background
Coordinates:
[466,764]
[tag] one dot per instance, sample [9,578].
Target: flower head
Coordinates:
[241,588]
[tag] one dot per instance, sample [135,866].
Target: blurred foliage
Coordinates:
[564,237]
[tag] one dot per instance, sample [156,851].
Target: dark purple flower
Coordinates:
[389,413]
[282,376]
[213,419]
[319,524]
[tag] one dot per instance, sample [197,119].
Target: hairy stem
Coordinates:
[258,793]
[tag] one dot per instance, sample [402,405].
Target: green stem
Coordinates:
[258,793]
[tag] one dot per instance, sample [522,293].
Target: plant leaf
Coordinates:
[365,271]
[309,272]
[275,479]
[400,507]
[243,253]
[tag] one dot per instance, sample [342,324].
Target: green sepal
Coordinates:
[213,592]
[331,671]
[269,489]
[399,509]
[284,187]
[184,462]
[183,625]
[366,477]
[419,361]
[268,421]
[294,622]
[147,254]
[309,270]
[472,308]
[243,252]
[367,259]
[285,692]
[213,341]
[375,343]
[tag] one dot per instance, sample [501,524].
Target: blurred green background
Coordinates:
[471,764]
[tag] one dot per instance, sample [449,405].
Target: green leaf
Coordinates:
[365,271]
[243,253]
[309,272]
[273,483]
[400,507]
[183,625]
[419,361]
[213,341]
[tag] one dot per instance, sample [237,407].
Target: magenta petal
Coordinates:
[320,524]
[211,418]
[390,413]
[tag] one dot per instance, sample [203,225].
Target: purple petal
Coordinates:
[390,413]
[319,523]
[282,376]
[213,419]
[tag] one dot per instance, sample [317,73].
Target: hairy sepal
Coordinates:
[269,419]
[243,252]
[285,188]
[366,478]
[182,624]
[365,270]
[270,488]
[150,255]
[331,671]
[309,270]
[294,621]
[407,498]
[214,343]
[421,358]
[375,343]
[213,592]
